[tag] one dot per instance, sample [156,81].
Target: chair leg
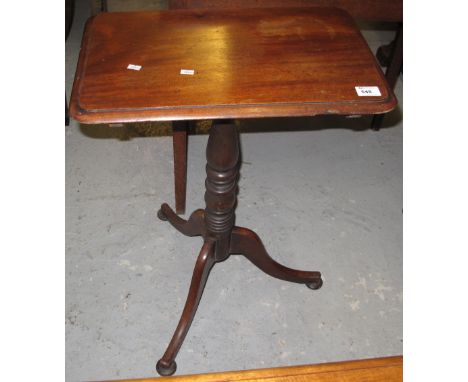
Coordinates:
[393,71]
[179,140]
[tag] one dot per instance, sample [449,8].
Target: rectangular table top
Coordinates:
[236,63]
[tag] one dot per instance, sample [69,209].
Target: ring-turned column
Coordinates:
[222,174]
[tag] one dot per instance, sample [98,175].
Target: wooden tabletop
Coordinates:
[388,369]
[239,63]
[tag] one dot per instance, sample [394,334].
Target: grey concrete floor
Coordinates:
[326,196]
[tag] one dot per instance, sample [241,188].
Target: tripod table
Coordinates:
[224,65]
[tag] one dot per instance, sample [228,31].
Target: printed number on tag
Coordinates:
[367,91]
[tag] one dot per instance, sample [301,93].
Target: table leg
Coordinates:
[246,242]
[167,365]
[179,142]
[393,71]
[67,115]
[221,237]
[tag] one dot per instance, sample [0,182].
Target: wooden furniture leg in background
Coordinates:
[393,71]
[384,53]
[67,115]
[221,238]
[98,6]
[179,142]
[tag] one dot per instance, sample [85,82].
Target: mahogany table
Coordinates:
[222,65]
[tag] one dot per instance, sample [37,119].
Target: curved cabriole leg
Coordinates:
[246,242]
[166,365]
[194,226]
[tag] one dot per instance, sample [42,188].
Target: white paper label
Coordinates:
[189,72]
[367,91]
[133,67]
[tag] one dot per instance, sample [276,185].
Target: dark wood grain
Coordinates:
[368,10]
[248,63]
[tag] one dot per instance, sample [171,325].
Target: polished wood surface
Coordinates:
[368,10]
[261,62]
[388,369]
